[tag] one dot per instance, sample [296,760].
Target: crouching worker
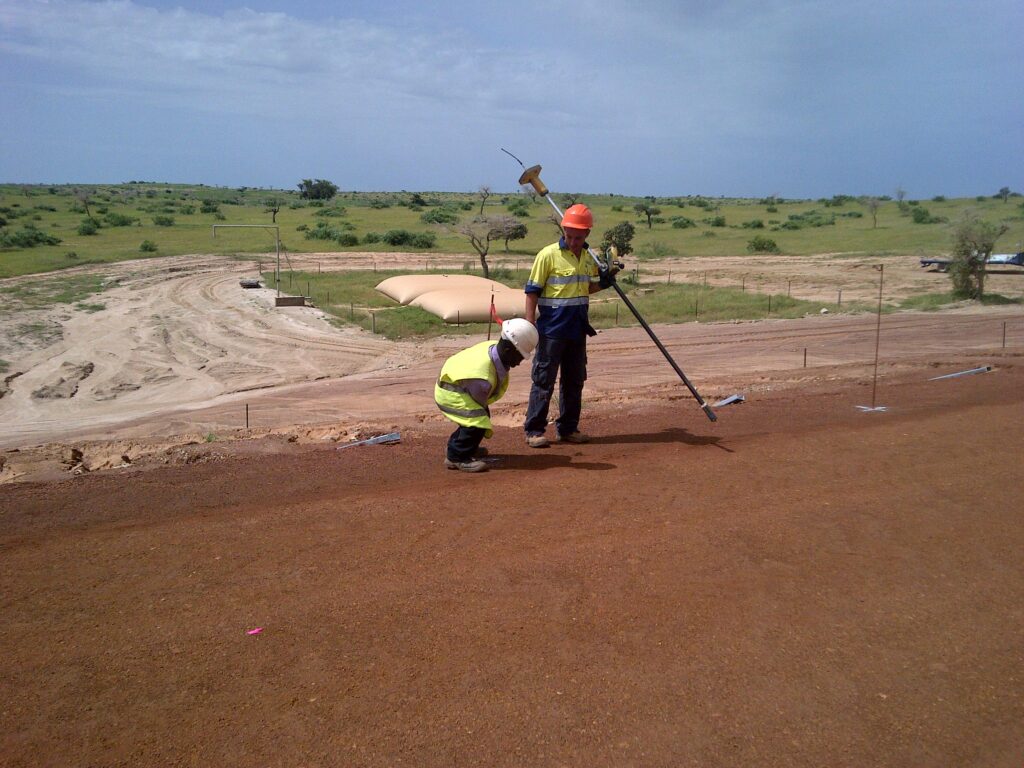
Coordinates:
[473,379]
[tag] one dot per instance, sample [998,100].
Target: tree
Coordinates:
[901,193]
[83,196]
[507,228]
[1004,193]
[973,241]
[273,206]
[872,204]
[620,236]
[480,233]
[529,191]
[648,210]
[484,193]
[321,189]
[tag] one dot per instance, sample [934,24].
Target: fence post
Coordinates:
[769,305]
[789,285]
[373,321]
[805,357]
[743,284]
[1004,334]
[246,415]
[839,303]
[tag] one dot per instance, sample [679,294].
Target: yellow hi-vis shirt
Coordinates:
[454,401]
[562,283]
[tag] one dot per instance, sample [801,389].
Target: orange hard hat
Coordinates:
[578,217]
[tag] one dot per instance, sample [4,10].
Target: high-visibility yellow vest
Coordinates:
[471,363]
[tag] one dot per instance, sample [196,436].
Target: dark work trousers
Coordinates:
[464,442]
[565,359]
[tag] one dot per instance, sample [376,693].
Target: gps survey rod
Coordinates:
[531,176]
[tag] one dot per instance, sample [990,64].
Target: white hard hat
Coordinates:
[521,333]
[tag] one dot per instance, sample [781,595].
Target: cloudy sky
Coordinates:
[800,98]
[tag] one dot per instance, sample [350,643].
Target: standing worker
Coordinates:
[471,380]
[560,284]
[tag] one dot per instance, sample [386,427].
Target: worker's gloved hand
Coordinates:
[607,274]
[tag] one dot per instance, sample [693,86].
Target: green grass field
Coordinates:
[177,219]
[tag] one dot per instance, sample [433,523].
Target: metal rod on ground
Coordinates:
[531,176]
[805,357]
[839,303]
[246,415]
[878,330]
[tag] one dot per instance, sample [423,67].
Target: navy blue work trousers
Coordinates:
[464,442]
[566,360]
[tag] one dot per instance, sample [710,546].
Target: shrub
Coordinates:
[88,227]
[439,216]
[424,240]
[397,237]
[29,237]
[811,218]
[621,236]
[681,222]
[347,239]
[519,208]
[119,220]
[147,246]
[371,237]
[715,221]
[923,216]
[753,224]
[762,244]
[209,206]
[163,221]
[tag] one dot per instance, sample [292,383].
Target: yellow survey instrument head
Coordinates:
[531,176]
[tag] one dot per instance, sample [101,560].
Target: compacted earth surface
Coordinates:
[829,574]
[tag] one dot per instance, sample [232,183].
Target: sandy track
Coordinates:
[175,334]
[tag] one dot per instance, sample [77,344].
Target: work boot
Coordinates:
[473,465]
[572,437]
[537,441]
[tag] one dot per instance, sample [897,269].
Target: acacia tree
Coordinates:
[273,205]
[480,233]
[507,228]
[973,241]
[83,196]
[648,210]
[484,193]
[872,204]
[1004,193]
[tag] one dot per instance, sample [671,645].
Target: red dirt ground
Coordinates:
[800,584]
